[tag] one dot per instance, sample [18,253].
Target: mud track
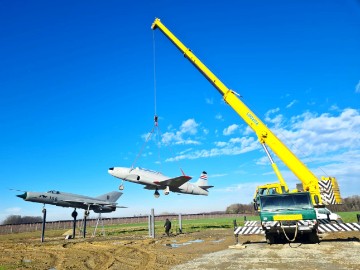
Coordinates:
[208,249]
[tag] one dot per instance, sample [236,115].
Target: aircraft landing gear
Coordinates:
[121,187]
[86,214]
[74,215]
[156,194]
[43,224]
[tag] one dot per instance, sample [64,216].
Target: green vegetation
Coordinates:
[188,226]
[191,225]
[141,229]
[348,216]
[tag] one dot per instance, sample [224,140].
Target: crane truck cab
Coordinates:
[287,217]
[267,189]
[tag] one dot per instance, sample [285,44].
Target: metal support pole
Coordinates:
[74,215]
[84,230]
[236,235]
[149,226]
[43,225]
[180,224]
[152,223]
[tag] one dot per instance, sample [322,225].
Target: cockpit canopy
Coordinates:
[53,192]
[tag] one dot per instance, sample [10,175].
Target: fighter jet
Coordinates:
[153,180]
[102,204]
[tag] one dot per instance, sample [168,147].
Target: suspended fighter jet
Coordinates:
[153,180]
[102,204]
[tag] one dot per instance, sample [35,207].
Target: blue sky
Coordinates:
[77,97]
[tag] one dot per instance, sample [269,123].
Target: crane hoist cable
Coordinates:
[143,146]
[156,128]
[154,68]
[156,119]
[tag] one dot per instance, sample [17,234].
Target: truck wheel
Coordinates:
[270,239]
[313,237]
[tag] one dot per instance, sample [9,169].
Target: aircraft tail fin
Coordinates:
[202,182]
[110,197]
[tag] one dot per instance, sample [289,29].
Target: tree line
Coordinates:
[349,204]
[16,219]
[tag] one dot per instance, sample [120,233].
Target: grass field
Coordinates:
[348,216]
[188,226]
[197,224]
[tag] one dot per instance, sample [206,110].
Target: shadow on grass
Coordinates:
[122,232]
[211,227]
[349,239]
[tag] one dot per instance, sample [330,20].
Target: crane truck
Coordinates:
[319,192]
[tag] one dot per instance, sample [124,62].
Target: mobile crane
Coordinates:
[322,192]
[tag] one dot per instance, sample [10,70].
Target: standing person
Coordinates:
[167,226]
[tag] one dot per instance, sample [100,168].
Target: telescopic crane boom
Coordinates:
[264,134]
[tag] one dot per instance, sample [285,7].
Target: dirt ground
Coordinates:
[208,249]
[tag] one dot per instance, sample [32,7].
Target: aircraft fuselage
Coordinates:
[153,180]
[69,200]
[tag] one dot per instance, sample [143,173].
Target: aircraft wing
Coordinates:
[174,182]
[90,203]
[206,187]
[150,187]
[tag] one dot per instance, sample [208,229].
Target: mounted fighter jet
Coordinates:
[156,181]
[102,204]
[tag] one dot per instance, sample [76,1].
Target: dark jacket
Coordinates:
[167,224]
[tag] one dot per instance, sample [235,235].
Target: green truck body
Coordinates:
[288,217]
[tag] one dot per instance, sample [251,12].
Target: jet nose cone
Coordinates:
[111,170]
[22,196]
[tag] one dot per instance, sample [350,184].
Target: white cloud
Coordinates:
[323,134]
[186,150]
[291,104]
[237,140]
[146,136]
[277,120]
[334,108]
[357,87]
[217,175]
[328,143]
[13,210]
[272,111]
[220,144]
[188,142]
[219,117]
[230,129]
[234,146]
[187,128]
[264,160]
[239,188]
[248,130]
[209,101]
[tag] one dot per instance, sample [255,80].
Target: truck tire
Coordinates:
[270,238]
[313,237]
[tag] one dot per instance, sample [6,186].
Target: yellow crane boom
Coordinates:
[264,134]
